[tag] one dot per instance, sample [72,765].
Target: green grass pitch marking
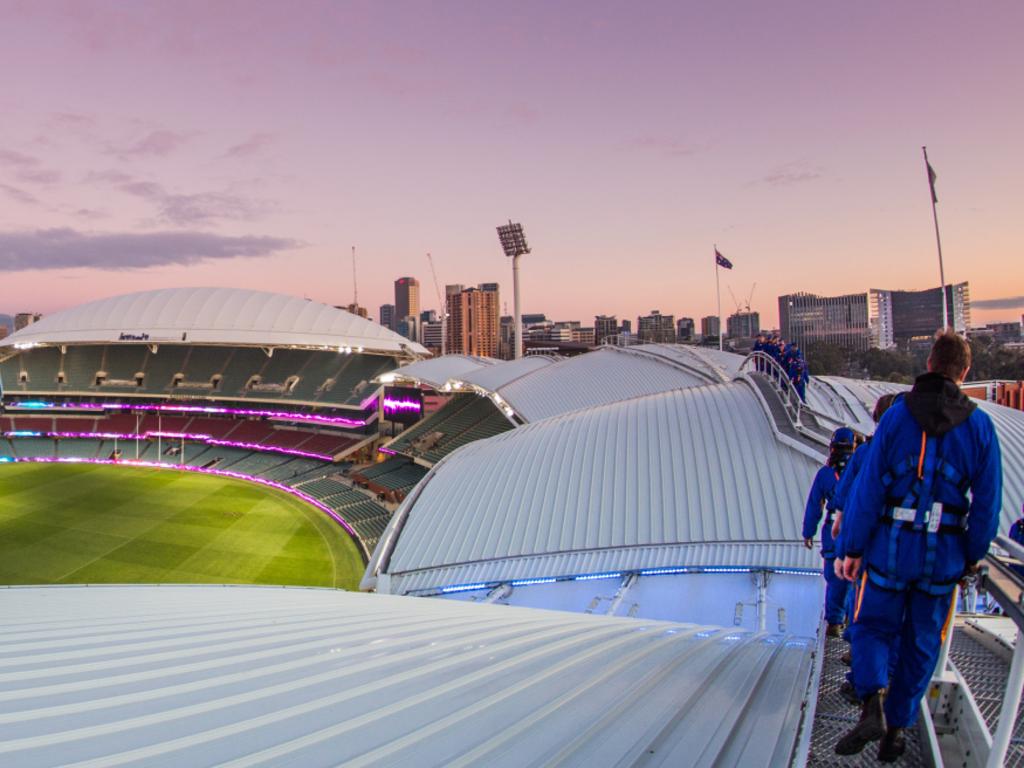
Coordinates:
[78,524]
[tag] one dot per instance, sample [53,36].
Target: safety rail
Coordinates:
[774,373]
[1006,586]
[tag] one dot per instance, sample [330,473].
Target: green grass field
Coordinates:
[78,524]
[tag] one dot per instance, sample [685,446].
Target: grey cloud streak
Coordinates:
[70,249]
[1007,302]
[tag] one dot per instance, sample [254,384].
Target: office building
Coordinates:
[843,321]
[473,320]
[605,326]
[710,327]
[905,318]
[743,325]
[407,297]
[387,316]
[656,328]
[686,330]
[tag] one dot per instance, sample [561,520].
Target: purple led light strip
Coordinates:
[205,439]
[202,470]
[214,409]
[391,404]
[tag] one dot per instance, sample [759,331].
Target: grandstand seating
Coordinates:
[461,420]
[34,447]
[317,375]
[78,448]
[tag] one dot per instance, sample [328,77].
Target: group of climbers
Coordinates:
[789,357]
[907,517]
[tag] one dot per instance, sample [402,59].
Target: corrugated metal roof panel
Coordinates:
[213,316]
[436,371]
[197,676]
[700,466]
[606,375]
[492,378]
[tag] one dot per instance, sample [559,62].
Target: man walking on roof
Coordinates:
[911,533]
[821,498]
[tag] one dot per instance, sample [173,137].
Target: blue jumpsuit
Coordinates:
[1017,534]
[839,499]
[821,496]
[930,447]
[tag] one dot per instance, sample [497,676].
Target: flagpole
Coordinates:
[938,241]
[718,291]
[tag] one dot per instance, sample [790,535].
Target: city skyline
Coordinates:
[246,144]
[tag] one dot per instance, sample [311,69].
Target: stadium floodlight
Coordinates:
[513,242]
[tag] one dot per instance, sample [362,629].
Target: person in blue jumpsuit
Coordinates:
[910,533]
[819,500]
[1017,534]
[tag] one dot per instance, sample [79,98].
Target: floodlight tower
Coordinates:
[513,242]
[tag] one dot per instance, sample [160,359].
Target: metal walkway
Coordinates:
[833,717]
[986,673]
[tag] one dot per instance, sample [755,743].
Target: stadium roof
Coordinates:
[214,316]
[697,476]
[189,676]
[539,387]
[437,371]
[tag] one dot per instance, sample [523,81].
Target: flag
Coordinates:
[932,176]
[721,261]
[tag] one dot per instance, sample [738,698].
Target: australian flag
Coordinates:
[721,261]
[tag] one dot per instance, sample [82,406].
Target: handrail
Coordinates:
[779,377]
[1007,587]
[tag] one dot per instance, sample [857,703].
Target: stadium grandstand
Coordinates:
[595,560]
[255,384]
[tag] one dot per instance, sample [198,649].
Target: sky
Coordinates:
[253,144]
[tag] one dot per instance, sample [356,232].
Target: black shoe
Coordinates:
[849,693]
[847,659]
[893,745]
[871,727]
[834,630]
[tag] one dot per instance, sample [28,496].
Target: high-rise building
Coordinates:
[387,316]
[25,319]
[407,297]
[901,318]
[876,318]
[626,329]
[605,326]
[408,327]
[430,331]
[686,329]
[3,331]
[656,328]
[428,316]
[843,321]
[473,320]
[710,327]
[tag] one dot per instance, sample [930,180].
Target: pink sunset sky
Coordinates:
[149,144]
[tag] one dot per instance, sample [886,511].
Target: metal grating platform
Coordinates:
[834,717]
[986,674]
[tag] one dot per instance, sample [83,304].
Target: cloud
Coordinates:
[19,195]
[792,173]
[198,208]
[156,144]
[665,146]
[71,249]
[1007,302]
[250,146]
[27,169]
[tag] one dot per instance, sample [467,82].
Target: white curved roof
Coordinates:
[435,372]
[200,676]
[694,476]
[214,316]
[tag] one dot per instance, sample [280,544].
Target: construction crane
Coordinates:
[355,284]
[440,301]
